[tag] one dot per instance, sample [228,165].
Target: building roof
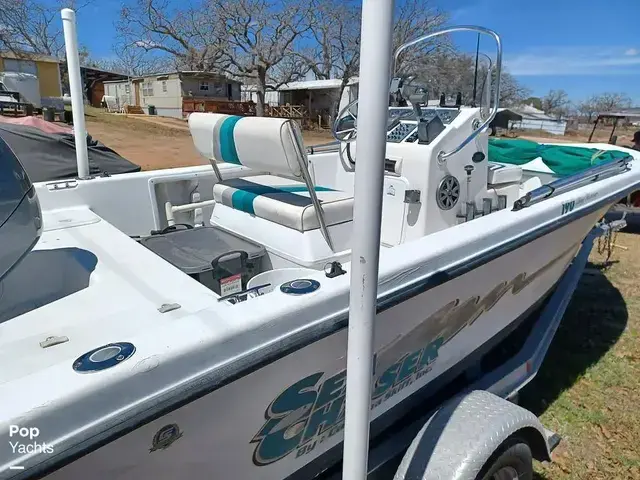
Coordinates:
[632,113]
[36,57]
[529,112]
[330,84]
[193,73]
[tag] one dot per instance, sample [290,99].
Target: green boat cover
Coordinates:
[563,160]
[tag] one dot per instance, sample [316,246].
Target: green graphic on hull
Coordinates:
[311,411]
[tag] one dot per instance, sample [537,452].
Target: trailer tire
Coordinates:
[512,461]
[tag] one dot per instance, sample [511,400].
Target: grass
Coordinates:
[588,388]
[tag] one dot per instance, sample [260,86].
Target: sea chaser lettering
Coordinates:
[311,411]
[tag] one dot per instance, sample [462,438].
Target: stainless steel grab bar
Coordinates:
[572,182]
[323,148]
[442,156]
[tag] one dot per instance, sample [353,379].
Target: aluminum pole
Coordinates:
[75,84]
[375,66]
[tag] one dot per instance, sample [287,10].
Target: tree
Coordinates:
[32,27]
[447,71]
[588,108]
[512,92]
[334,33]
[556,103]
[412,19]
[607,102]
[535,102]
[247,39]
[187,35]
[335,37]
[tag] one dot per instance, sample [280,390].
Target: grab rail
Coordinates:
[323,148]
[442,156]
[572,182]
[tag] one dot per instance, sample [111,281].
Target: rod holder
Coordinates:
[470,211]
[486,206]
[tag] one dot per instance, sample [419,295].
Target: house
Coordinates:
[534,119]
[317,96]
[168,91]
[38,69]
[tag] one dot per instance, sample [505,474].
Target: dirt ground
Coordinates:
[601,135]
[161,142]
[156,142]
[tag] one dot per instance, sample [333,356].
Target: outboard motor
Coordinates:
[20,215]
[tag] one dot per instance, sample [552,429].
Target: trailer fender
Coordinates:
[458,440]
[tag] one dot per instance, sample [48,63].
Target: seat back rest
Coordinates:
[261,143]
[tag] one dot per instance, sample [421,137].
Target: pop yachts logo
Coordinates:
[311,411]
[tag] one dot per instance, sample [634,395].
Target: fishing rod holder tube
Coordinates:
[442,156]
[76,88]
[572,182]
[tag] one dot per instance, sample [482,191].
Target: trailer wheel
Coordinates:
[512,461]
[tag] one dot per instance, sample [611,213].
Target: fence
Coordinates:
[244,109]
[190,105]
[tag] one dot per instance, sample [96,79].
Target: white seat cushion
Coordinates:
[283,201]
[261,143]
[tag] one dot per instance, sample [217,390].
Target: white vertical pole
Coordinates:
[75,84]
[375,65]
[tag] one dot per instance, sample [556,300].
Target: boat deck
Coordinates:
[121,284]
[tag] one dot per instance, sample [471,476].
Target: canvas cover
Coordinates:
[563,160]
[52,156]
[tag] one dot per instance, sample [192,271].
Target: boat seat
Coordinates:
[499,173]
[275,146]
[284,201]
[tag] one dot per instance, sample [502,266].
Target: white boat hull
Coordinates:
[271,423]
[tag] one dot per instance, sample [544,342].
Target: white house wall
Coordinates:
[551,126]
[218,88]
[271,97]
[119,90]
[168,103]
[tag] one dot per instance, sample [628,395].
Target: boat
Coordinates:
[192,322]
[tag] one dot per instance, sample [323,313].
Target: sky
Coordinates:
[582,46]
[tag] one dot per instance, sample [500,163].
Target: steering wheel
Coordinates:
[346,125]
[345,130]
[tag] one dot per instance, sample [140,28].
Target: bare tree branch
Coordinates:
[556,103]
[249,39]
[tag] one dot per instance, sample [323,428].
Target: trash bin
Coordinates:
[152,110]
[49,114]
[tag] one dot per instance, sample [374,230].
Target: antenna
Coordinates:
[475,73]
